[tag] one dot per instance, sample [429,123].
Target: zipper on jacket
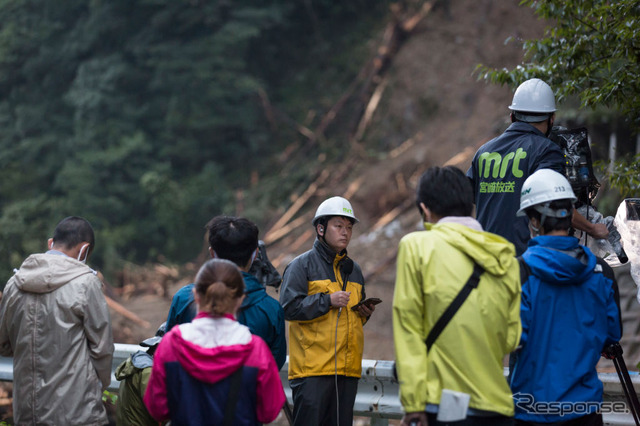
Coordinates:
[33,361]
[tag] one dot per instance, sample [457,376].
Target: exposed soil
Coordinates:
[432,98]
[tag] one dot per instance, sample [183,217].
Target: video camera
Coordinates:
[263,269]
[579,171]
[578,162]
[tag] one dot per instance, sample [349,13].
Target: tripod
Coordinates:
[614,352]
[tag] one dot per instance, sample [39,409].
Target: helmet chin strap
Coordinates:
[545,212]
[549,126]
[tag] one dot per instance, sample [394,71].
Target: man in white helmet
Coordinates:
[319,290]
[501,165]
[569,312]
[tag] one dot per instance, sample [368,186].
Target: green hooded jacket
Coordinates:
[432,267]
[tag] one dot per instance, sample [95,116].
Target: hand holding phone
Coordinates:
[368,302]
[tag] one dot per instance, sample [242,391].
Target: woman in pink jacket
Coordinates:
[213,371]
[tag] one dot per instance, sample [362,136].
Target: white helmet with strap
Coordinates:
[543,187]
[334,206]
[533,96]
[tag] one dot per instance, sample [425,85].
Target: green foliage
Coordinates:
[110,397]
[626,175]
[590,50]
[143,116]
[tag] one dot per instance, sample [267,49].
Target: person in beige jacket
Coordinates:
[55,323]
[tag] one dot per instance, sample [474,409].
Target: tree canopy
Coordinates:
[590,50]
[144,116]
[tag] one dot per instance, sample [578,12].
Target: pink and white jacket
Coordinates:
[190,382]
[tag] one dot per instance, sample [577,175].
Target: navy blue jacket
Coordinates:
[569,314]
[259,311]
[498,171]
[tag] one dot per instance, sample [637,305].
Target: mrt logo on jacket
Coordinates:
[494,165]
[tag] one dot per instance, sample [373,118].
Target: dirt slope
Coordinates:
[433,111]
[434,68]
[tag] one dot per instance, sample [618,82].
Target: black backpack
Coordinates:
[263,270]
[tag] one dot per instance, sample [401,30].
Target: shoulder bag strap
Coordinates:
[454,306]
[234,389]
[525,270]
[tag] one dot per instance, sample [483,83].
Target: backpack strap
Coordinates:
[234,390]
[525,270]
[442,322]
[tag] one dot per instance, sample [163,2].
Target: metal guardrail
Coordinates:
[378,392]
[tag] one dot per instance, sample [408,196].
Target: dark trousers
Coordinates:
[315,402]
[593,419]
[496,420]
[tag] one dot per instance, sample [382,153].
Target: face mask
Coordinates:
[533,231]
[86,253]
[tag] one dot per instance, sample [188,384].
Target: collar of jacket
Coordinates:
[212,316]
[521,127]
[326,253]
[559,259]
[254,291]
[251,283]
[567,245]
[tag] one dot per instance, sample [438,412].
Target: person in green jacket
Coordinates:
[133,375]
[461,377]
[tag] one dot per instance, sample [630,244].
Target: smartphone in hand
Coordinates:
[369,302]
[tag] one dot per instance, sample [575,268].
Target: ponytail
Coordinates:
[219,284]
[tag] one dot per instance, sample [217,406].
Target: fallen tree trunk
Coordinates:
[394,36]
[391,215]
[298,203]
[118,308]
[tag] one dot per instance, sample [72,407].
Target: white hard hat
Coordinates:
[334,206]
[544,186]
[533,96]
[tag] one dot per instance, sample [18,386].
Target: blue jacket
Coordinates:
[498,171]
[183,308]
[259,311]
[264,317]
[569,314]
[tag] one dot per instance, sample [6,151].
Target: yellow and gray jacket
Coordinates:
[432,267]
[307,284]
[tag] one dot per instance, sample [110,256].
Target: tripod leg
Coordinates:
[627,386]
